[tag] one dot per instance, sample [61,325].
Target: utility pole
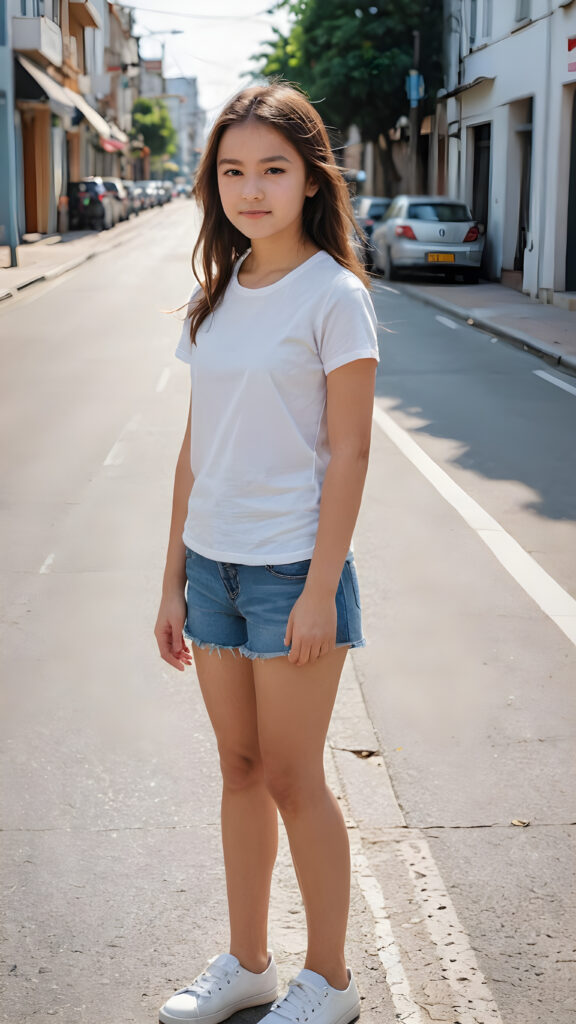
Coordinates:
[414,96]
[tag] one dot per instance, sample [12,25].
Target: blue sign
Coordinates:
[414,87]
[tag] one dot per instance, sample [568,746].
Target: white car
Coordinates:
[431,233]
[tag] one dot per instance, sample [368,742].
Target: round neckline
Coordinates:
[267,288]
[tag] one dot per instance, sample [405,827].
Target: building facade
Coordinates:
[61,60]
[504,137]
[189,121]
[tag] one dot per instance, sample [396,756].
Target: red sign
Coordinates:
[572,47]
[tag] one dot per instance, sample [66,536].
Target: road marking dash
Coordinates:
[555,380]
[47,563]
[163,379]
[446,321]
[554,601]
[388,952]
[473,1001]
[116,455]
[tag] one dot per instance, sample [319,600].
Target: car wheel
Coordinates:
[390,270]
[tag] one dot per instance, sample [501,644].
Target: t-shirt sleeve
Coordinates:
[349,325]
[184,346]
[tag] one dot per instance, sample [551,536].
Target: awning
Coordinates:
[117,133]
[112,145]
[85,13]
[58,97]
[468,85]
[92,116]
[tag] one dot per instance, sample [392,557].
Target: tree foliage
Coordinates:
[150,118]
[352,57]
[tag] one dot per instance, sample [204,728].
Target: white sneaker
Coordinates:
[222,989]
[311,998]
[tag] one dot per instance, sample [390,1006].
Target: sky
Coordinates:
[218,38]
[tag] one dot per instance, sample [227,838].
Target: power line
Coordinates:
[200,17]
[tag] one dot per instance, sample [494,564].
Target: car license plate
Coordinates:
[86,202]
[440,257]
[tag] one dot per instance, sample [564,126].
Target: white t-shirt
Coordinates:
[259,440]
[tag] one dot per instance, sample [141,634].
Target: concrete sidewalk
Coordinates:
[546,330]
[53,255]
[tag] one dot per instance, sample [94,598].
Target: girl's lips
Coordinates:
[254,213]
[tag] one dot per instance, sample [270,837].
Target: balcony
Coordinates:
[84,13]
[38,38]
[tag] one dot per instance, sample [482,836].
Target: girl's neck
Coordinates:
[268,262]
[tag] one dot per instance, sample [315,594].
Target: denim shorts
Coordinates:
[246,607]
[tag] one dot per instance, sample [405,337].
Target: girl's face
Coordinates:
[262,181]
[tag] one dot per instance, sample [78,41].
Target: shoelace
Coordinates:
[301,1000]
[205,982]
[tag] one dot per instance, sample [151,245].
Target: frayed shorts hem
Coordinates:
[245,652]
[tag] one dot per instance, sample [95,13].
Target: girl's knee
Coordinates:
[293,790]
[240,770]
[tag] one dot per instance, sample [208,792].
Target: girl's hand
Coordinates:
[311,629]
[168,631]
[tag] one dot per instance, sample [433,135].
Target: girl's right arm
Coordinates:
[172,611]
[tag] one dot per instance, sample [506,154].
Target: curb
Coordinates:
[518,338]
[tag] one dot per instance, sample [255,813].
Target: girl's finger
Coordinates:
[304,654]
[294,652]
[288,636]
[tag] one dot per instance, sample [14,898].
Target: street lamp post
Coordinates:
[164,32]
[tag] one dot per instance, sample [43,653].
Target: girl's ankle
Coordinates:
[255,963]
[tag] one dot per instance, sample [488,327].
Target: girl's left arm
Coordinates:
[311,629]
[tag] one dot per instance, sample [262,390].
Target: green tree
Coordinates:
[150,118]
[352,58]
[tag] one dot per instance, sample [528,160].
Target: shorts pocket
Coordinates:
[290,570]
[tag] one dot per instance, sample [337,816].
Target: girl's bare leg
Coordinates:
[249,815]
[294,707]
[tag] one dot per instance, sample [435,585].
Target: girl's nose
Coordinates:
[251,190]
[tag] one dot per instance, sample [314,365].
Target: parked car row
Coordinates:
[419,233]
[100,203]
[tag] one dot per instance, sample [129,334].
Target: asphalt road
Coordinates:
[462,703]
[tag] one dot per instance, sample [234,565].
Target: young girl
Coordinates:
[281,341]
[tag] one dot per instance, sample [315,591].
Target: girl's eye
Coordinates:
[275,170]
[231,171]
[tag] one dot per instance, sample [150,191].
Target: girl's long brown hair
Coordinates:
[327,216]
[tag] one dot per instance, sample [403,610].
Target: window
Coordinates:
[523,9]
[453,212]
[395,209]
[473,21]
[487,19]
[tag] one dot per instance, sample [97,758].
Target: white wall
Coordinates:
[520,62]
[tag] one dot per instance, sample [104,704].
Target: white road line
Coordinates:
[387,288]
[116,454]
[473,1001]
[555,380]
[396,978]
[446,321]
[47,563]
[163,379]
[537,583]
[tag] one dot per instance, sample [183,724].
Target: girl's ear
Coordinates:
[311,188]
